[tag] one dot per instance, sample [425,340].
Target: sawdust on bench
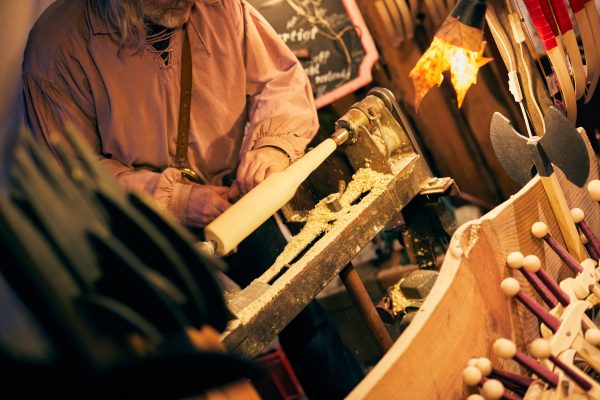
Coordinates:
[321,219]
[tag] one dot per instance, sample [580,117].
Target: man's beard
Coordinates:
[171,16]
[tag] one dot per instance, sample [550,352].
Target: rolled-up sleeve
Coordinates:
[282,112]
[50,105]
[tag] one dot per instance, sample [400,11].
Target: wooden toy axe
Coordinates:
[524,157]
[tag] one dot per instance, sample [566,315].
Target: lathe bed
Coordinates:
[270,302]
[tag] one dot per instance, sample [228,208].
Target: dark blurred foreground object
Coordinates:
[101,295]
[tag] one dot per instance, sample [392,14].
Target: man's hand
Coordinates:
[255,166]
[206,203]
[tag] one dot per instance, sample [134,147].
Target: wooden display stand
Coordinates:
[466,311]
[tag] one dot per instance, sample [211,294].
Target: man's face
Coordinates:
[169,13]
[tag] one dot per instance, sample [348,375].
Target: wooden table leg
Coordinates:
[361,298]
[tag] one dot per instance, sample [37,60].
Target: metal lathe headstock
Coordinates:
[383,171]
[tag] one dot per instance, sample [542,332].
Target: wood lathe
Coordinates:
[388,172]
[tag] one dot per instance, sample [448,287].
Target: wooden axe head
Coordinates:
[522,158]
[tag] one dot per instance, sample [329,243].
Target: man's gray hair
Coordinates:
[125,20]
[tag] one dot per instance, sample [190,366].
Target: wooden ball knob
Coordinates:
[594,189]
[592,336]
[504,348]
[539,229]
[532,263]
[492,389]
[472,362]
[475,397]
[484,365]
[540,348]
[515,260]
[510,287]
[577,214]
[471,376]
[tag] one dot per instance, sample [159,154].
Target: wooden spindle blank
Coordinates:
[506,349]
[540,348]
[511,288]
[532,264]
[540,231]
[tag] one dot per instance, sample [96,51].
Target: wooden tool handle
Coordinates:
[576,5]
[549,16]
[559,7]
[542,27]
[241,219]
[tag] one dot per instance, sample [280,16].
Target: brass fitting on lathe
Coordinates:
[340,136]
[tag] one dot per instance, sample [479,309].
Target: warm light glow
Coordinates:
[442,56]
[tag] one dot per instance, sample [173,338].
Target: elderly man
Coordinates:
[113,69]
[194,102]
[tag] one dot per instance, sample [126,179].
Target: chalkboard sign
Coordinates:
[330,39]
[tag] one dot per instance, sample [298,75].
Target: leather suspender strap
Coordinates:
[185,100]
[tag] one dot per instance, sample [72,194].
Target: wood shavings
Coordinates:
[322,220]
[398,302]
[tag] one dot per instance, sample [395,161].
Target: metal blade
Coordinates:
[511,149]
[565,148]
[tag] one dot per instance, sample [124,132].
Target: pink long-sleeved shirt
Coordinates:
[249,91]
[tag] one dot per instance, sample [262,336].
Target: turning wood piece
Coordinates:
[540,231]
[578,217]
[540,348]
[532,264]
[512,288]
[516,260]
[506,349]
[242,218]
